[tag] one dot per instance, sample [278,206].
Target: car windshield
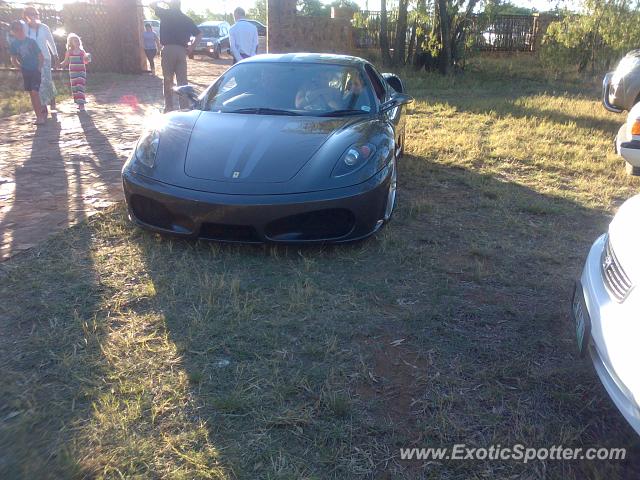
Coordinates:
[291,88]
[209,32]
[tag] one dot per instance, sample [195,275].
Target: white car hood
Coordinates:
[624,236]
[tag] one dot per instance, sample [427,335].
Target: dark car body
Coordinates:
[265,177]
[261,27]
[215,38]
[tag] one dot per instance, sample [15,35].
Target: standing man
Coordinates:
[175,32]
[243,37]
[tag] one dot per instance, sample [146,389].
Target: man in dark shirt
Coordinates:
[176,29]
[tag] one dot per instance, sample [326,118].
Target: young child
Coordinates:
[76,58]
[26,55]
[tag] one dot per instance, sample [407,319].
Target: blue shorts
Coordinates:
[31,80]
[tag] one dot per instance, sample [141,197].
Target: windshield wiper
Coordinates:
[263,111]
[342,113]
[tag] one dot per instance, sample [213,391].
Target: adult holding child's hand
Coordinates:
[38,31]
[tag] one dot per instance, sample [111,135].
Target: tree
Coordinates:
[346,4]
[384,38]
[313,8]
[259,12]
[601,33]
[401,33]
[450,33]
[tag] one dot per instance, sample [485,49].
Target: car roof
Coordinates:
[321,58]
[212,23]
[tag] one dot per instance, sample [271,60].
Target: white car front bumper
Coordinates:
[610,336]
[630,155]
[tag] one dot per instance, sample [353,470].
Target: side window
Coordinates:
[376,82]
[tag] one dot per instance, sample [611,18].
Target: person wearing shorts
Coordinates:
[26,55]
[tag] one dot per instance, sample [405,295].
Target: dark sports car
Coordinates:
[281,148]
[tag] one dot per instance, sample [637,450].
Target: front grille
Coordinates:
[229,233]
[320,225]
[615,279]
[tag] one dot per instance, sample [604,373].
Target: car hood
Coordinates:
[624,235]
[247,148]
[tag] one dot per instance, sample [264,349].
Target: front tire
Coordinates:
[216,52]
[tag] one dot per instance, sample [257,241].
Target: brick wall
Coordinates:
[289,32]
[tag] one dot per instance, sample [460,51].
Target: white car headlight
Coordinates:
[147,148]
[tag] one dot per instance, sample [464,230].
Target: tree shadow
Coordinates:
[277,341]
[51,361]
[449,326]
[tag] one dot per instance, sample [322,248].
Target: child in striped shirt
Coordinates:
[76,58]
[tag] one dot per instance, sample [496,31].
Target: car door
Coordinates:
[224,38]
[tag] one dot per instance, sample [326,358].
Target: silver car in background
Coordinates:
[621,87]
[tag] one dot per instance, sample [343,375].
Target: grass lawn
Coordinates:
[128,355]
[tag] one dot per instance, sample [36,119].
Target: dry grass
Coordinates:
[127,355]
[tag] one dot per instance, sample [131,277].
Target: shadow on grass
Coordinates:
[50,360]
[285,348]
[140,355]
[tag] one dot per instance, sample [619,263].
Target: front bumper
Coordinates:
[628,148]
[612,357]
[331,216]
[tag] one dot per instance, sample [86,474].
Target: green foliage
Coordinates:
[208,15]
[259,11]
[313,8]
[493,8]
[604,32]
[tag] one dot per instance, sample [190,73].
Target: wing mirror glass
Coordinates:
[396,100]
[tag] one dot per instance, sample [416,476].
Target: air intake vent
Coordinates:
[616,281]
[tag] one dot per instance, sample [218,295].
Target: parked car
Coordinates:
[155,25]
[215,39]
[621,87]
[262,29]
[606,305]
[280,148]
[628,141]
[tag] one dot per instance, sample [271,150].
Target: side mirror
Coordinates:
[397,99]
[188,91]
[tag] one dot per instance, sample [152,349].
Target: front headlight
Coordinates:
[210,44]
[353,159]
[147,148]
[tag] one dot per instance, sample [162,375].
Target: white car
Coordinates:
[606,310]
[628,141]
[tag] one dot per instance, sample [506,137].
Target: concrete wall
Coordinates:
[289,32]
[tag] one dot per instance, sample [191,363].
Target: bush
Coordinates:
[593,39]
